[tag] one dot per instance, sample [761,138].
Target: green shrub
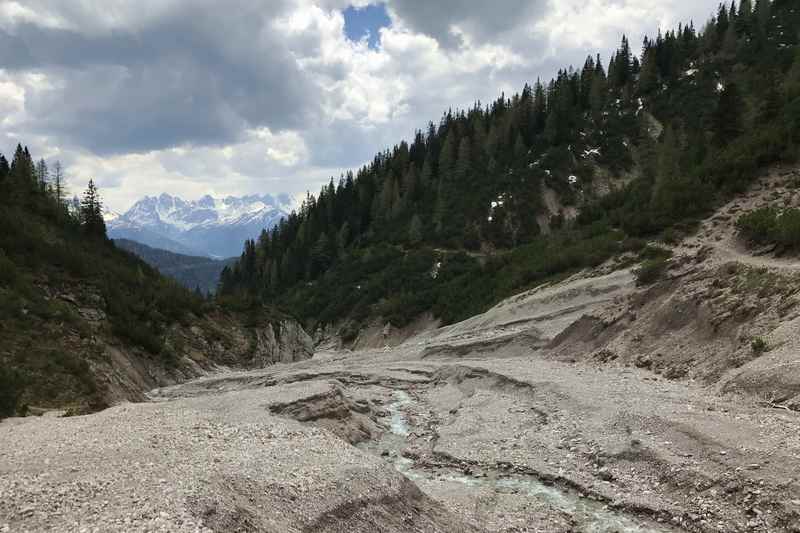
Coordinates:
[11,387]
[8,271]
[670,236]
[768,225]
[139,333]
[759,345]
[759,226]
[651,271]
[654,252]
[788,231]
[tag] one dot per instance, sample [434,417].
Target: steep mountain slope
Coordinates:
[561,176]
[190,271]
[84,324]
[721,313]
[209,226]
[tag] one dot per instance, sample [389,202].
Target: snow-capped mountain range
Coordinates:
[214,227]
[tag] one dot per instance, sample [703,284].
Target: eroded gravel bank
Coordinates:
[214,463]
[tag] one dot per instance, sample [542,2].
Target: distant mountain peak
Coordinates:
[109,215]
[209,226]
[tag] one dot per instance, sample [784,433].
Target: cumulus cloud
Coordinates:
[199,96]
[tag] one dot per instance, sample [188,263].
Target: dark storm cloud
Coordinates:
[482,19]
[185,78]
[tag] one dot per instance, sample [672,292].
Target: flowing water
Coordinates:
[591,516]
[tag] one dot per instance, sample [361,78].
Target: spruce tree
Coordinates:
[598,96]
[623,64]
[727,119]
[415,235]
[21,175]
[648,79]
[343,237]
[463,166]
[447,156]
[91,212]
[667,172]
[744,20]
[4,168]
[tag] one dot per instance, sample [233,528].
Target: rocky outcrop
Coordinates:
[282,342]
[124,371]
[216,341]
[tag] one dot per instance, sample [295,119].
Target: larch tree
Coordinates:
[58,183]
[42,175]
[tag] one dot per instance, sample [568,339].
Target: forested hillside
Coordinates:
[459,217]
[84,324]
[53,262]
[200,274]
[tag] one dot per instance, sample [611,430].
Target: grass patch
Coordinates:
[759,345]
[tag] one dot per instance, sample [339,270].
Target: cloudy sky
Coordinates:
[195,97]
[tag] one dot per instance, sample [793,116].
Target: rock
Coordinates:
[289,343]
[91,314]
[732,487]
[605,474]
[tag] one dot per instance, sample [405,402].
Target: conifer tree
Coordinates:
[58,184]
[598,96]
[648,79]
[727,119]
[463,166]
[91,212]
[42,175]
[622,64]
[4,168]
[539,107]
[667,172]
[415,235]
[762,13]
[722,22]
[730,43]
[21,175]
[426,176]
[343,237]
[744,20]
[321,255]
[447,156]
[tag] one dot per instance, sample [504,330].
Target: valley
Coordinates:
[513,420]
[570,309]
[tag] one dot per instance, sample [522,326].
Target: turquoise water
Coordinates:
[591,516]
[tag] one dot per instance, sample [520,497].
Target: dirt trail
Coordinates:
[718,232]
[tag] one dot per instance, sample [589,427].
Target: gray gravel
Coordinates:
[214,463]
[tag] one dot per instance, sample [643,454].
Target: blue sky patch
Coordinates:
[367,20]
